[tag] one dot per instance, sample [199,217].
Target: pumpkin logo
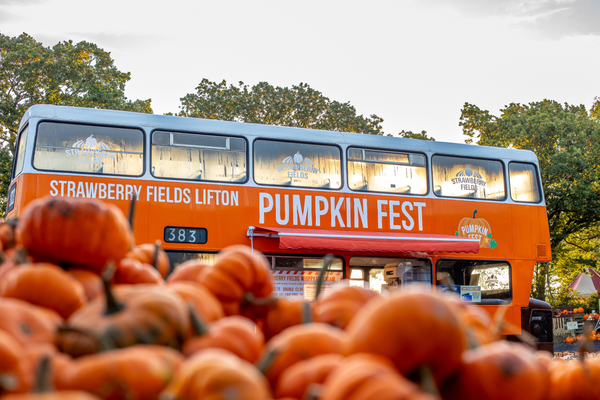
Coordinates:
[91,143]
[476,228]
[298,166]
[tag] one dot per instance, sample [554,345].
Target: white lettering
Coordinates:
[411,224]
[262,207]
[335,212]
[380,213]
[186,196]
[282,221]
[362,212]
[394,214]
[320,211]
[420,214]
[234,198]
[71,189]
[302,213]
[53,188]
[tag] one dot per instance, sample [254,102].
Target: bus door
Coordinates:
[388,273]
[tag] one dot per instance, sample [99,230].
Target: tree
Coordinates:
[81,75]
[566,139]
[412,135]
[298,106]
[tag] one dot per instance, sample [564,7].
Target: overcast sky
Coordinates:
[413,63]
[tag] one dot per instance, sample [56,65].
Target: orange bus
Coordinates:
[393,211]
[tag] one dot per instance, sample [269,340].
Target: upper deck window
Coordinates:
[523,182]
[386,171]
[21,151]
[199,157]
[468,178]
[297,164]
[89,149]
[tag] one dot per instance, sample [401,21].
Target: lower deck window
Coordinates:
[388,273]
[486,282]
[296,277]
[179,257]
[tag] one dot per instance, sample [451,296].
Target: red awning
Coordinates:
[366,241]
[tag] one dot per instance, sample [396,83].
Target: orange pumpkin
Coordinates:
[475,228]
[507,365]
[296,380]
[368,376]
[133,272]
[45,285]
[153,255]
[414,328]
[338,306]
[187,271]
[124,316]
[575,380]
[67,231]
[15,368]
[239,272]
[216,374]
[285,313]
[137,372]
[570,339]
[91,281]
[27,323]
[204,303]
[302,342]
[235,333]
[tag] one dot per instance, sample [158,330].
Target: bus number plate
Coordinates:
[179,234]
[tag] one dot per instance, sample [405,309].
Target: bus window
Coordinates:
[89,149]
[479,281]
[385,171]
[523,182]
[20,156]
[297,164]
[388,273]
[198,156]
[296,276]
[468,178]
[179,257]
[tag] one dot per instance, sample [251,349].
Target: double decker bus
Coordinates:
[392,211]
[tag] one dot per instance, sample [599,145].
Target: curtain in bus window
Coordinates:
[468,178]
[89,149]
[378,171]
[297,164]
[21,151]
[198,157]
[523,182]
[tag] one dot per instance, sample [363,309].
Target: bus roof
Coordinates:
[155,121]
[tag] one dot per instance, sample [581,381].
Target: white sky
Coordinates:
[413,63]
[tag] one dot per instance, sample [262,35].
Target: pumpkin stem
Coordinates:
[20,255]
[327,260]
[306,313]
[199,325]
[474,212]
[155,257]
[262,301]
[7,382]
[427,383]
[42,378]
[131,215]
[112,305]
[266,360]
[101,340]
[313,392]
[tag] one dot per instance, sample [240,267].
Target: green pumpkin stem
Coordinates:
[327,260]
[112,305]
[262,301]
[306,313]
[199,325]
[42,376]
[131,214]
[266,360]
[427,382]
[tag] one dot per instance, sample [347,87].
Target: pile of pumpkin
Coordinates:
[85,314]
[592,336]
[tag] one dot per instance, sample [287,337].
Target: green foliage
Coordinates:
[412,135]
[566,297]
[566,140]
[299,106]
[5,171]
